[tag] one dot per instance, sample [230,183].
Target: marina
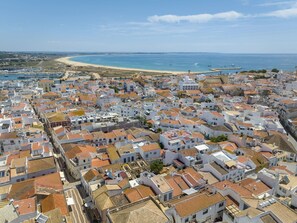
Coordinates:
[24,76]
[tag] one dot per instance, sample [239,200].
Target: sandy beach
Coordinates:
[68,61]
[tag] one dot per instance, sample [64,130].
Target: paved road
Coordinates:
[77,214]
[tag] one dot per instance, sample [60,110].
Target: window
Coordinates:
[187,220]
[221,204]
[194,216]
[205,211]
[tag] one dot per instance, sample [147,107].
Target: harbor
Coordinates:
[24,76]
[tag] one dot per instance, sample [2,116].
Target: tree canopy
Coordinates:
[156,166]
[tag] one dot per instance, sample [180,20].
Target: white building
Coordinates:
[200,207]
[158,184]
[176,140]
[187,84]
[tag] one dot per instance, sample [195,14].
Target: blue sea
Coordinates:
[192,61]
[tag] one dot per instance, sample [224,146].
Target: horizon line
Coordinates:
[131,52]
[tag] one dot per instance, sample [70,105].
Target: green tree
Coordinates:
[159,130]
[274,70]
[156,166]
[220,138]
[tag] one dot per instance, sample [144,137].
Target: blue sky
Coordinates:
[239,26]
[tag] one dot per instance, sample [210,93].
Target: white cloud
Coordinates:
[283,13]
[225,16]
[198,18]
[280,3]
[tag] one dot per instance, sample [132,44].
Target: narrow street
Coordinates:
[77,214]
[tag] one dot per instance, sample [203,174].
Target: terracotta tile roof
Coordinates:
[26,206]
[8,135]
[145,211]
[190,170]
[12,157]
[59,129]
[192,204]
[267,154]
[36,146]
[113,153]
[243,192]
[22,190]
[41,164]
[281,141]
[242,159]
[256,187]
[174,185]
[25,153]
[150,147]
[124,183]
[180,182]
[138,193]
[18,162]
[54,201]
[80,151]
[169,122]
[91,174]
[120,132]
[132,195]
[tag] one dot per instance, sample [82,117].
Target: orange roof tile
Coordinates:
[150,147]
[100,163]
[26,206]
[54,201]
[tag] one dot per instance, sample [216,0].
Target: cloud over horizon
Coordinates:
[198,18]
[222,16]
[284,13]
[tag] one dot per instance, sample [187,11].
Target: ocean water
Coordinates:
[192,61]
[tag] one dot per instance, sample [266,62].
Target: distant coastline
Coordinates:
[68,61]
[176,63]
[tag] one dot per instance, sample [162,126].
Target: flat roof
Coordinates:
[161,183]
[221,156]
[202,147]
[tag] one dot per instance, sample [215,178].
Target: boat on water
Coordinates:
[6,76]
[22,77]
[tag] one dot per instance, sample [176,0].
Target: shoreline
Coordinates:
[68,61]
